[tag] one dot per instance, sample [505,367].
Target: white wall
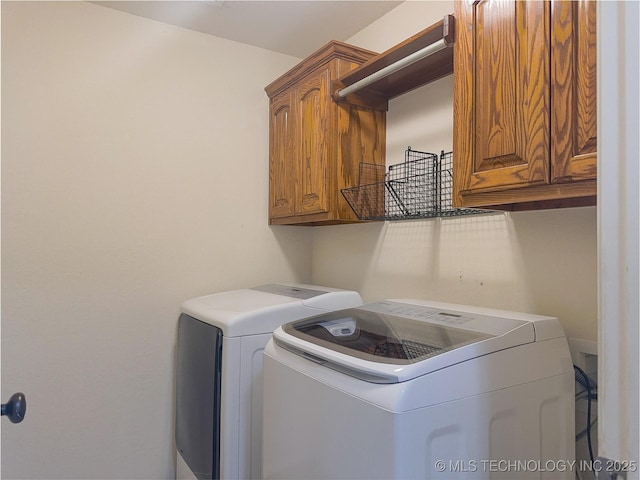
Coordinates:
[540,262]
[134,176]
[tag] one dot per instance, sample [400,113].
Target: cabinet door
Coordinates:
[573,84]
[502,97]
[314,175]
[282,165]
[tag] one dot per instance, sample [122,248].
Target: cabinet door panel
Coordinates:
[282,172]
[316,151]
[505,112]
[574,112]
[312,192]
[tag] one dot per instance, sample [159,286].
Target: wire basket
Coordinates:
[368,200]
[420,187]
[412,186]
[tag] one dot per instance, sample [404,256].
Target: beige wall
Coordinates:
[134,176]
[540,262]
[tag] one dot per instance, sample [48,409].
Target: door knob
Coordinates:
[15,408]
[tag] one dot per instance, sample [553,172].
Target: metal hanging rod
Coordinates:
[394,67]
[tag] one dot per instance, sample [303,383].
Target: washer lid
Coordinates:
[388,342]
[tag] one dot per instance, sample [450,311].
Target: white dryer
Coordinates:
[218,429]
[406,389]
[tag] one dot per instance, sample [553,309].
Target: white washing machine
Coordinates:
[218,430]
[405,389]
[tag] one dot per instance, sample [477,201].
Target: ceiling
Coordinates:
[291,27]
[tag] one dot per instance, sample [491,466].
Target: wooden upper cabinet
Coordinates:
[281,173]
[524,103]
[316,145]
[313,182]
[573,91]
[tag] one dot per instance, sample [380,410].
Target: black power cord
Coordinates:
[583,379]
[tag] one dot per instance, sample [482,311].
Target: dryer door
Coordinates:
[198,396]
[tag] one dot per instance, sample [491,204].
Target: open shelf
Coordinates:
[416,74]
